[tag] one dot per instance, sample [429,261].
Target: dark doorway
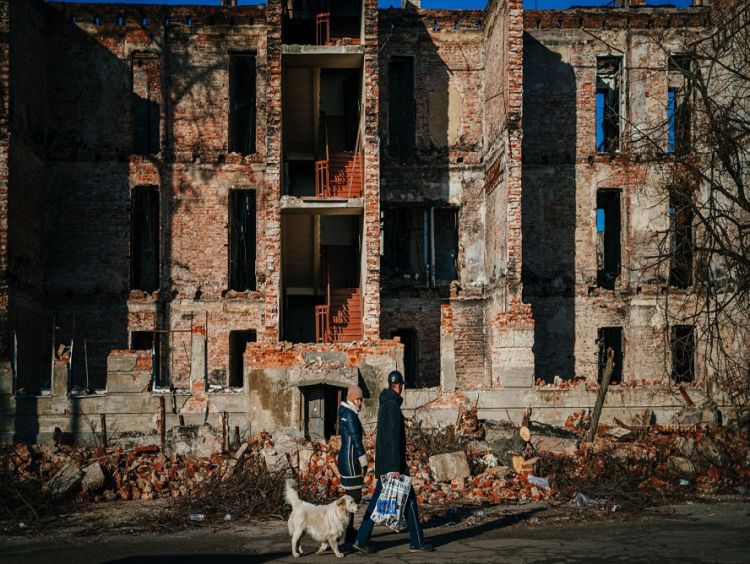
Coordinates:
[238,340]
[610,338]
[321,404]
[411,355]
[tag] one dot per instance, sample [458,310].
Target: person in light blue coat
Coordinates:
[352,456]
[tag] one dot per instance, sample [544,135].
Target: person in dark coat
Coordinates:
[352,456]
[390,458]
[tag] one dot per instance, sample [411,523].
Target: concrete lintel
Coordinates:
[326,206]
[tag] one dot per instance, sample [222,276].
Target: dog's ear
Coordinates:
[341,502]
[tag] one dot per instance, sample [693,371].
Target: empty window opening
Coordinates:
[401,109]
[608,246]
[679,76]
[242,103]
[321,404]
[238,341]
[610,338]
[411,355]
[149,341]
[144,238]
[445,244]
[421,245]
[608,76]
[146,103]
[242,235]
[681,233]
[683,353]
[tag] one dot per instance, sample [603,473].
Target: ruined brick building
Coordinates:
[245,209]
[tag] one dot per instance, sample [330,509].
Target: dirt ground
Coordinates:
[715,530]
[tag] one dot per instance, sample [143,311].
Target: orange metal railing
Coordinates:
[322,324]
[323,28]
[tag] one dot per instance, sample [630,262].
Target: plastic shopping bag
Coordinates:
[389,509]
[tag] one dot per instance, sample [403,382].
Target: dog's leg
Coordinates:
[296,545]
[335,547]
[323,547]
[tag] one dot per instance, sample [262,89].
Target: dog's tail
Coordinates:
[290,493]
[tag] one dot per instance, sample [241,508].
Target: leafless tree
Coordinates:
[703,153]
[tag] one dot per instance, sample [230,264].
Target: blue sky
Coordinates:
[465,4]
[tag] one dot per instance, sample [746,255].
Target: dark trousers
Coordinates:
[351,532]
[416,537]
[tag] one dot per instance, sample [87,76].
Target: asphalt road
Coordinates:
[698,532]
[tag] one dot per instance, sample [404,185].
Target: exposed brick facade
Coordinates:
[504,128]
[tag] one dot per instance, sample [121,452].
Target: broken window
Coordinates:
[144,238]
[148,341]
[610,338]
[238,340]
[242,103]
[681,232]
[411,355]
[401,109]
[242,240]
[683,351]
[608,229]
[146,98]
[421,244]
[678,107]
[608,76]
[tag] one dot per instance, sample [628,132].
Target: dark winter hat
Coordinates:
[395,377]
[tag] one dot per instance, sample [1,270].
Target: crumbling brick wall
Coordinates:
[447,52]
[563,171]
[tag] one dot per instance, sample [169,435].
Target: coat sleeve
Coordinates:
[356,433]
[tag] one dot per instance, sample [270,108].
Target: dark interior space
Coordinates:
[144,233]
[242,239]
[242,103]
[683,353]
[401,109]
[321,22]
[608,238]
[681,232]
[238,340]
[610,338]
[411,355]
[146,103]
[421,245]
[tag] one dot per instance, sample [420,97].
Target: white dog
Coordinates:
[324,523]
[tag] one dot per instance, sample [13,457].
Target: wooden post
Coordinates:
[103,418]
[608,369]
[236,436]
[224,432]
[163,423]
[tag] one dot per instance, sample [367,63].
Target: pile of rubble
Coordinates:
[464,462]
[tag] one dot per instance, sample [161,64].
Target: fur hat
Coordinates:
[354,392]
